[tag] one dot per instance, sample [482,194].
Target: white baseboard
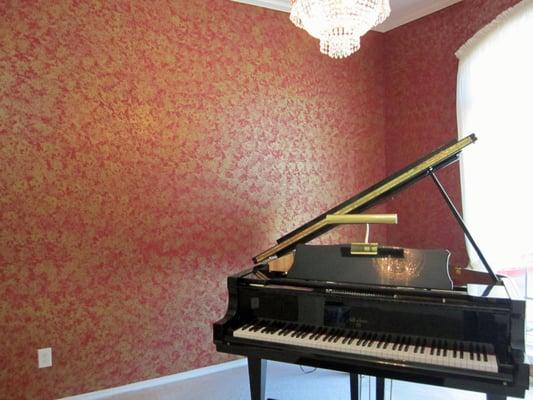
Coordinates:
[102,394]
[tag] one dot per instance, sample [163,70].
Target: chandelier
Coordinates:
[339,24]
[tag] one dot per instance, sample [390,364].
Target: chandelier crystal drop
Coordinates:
[339,24]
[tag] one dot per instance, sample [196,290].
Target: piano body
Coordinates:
[424,330]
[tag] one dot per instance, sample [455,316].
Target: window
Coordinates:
[495,101]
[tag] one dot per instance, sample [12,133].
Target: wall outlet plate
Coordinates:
[44,357]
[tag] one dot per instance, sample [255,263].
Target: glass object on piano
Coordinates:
[404,270]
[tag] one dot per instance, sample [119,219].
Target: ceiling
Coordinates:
[402,11]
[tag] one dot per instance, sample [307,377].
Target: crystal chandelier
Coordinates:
[339,24]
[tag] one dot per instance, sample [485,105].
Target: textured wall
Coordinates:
[147,151]
[421,74]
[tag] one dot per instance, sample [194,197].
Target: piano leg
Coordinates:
[354,387]
[380,388]
[491,396]
[257,376]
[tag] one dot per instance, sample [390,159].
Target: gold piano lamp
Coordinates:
[364,248]
[284,263]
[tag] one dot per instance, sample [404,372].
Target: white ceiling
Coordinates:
[402,11]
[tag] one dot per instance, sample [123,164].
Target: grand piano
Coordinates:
[394,313]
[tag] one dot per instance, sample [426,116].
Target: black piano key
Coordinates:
[395,343]
[246,326]
[381,339]
[369,340]
[259,326]
[387,342]
[365,341]
[407,344]
[485,358]
[478,355]
[272,327]
[461,350]
[445,350]
[288,329]
[400,343]
[283,329]
[354,336]
[315,333]
[296,331]
[307,331]
[333,335]
[341,334]
[255,327]
[319,333]
[438,347]
[327,334]
[417,345]
[361,339]
[403,342]
[301,331]
[432,347]
[347,337]
[422,345]
[304,332]
[336,336]
[471,351]
[454,349]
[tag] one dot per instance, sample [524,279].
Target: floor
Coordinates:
[289,382]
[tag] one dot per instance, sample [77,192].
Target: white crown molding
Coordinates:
[279,5]
[397,19]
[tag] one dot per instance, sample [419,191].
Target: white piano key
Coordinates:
[392,347]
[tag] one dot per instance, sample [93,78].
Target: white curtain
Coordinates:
[495,101]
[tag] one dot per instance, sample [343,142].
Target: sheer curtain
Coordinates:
[495,101]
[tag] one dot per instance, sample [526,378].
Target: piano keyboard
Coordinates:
[432,351]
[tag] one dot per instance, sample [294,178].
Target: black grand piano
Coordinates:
[394,313]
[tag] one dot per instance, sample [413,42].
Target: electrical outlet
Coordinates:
[44,357]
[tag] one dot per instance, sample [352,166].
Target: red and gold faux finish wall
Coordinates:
[421,76]
[147,151]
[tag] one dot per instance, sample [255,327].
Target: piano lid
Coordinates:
[435,160]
